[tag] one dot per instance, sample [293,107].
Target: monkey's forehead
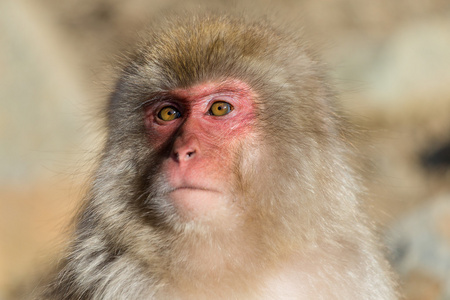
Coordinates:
[211,48]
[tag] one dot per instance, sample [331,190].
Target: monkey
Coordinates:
[225,174]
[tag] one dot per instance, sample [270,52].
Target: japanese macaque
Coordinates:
[225,175]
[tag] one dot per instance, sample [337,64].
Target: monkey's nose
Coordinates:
[185,148]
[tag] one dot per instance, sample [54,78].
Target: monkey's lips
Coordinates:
[193,188]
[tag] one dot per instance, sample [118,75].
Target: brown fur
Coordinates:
[299,232]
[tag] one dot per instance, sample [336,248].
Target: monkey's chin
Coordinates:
[197,202]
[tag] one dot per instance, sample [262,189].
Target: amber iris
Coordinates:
[168,113]
[220,108]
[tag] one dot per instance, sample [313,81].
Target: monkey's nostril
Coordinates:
[184,155]
[190,154]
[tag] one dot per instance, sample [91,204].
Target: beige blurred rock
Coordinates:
[408,67]
[41,97]
[418,285]
[413,64]
[42,138]
[419,247]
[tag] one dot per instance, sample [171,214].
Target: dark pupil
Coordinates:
[220,107]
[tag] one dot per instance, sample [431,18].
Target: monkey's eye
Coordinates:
[168,113]
[220,108]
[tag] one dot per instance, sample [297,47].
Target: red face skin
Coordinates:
[199,169]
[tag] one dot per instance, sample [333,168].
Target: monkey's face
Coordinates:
[201,130]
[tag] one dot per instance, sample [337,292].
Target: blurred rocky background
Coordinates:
[389,59]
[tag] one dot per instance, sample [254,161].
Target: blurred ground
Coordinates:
[390,60]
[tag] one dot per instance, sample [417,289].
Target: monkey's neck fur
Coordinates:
[200,262]
[204,263]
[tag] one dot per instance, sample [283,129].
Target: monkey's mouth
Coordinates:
[192,188]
